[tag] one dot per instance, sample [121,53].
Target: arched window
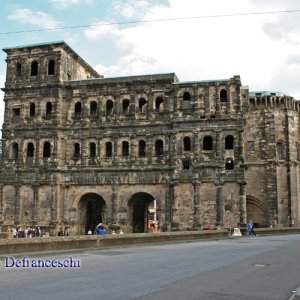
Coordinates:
[125,148]
[92,150]
[34,68]
[31,110]
[186,96]
[15,151]
[142,105]
[78,109]
[280,151]
[76,150]
[19,70]
[51,67]
[125,106]
[109,107]
[46,150]
[207,143]
[159,104]
[223,96]
[108,149]
[229,142]
[30,150]
[48,109]
[159,147]
[229,165]
[142,148]
[187,143]
[93,108]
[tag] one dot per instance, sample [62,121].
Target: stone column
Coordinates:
[168,204]
[114,205]
[53,204]
[35,203]
[220,204]
[1,202]
[218,144]
[197,222]
[17,214]
[243,209]
[240,145]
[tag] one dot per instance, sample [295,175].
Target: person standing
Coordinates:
[250,228]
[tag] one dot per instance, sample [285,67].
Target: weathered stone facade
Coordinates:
[79,149]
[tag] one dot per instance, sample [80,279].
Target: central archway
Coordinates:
[256,212]
[139,214]
[92,210]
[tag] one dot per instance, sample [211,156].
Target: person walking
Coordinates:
[250,228]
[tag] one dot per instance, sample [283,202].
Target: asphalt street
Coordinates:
[238,268]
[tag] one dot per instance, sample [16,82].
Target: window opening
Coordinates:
[108,149]
[92,150]
[142,105]
[109,107]
[34,68]
[46,150]
[125,148]
[32,110]
[19,70]
[126,106]
[187,144]
[186,96]
[186,164]
[77,109]
[159,147]
[229,165]
[51,67]
[76,150]
[93,108]
[229,142]
[223,96]
[207,143]
[48,109]
[159,104]
[280,150]
[142,148]
[30,150]
[15,151]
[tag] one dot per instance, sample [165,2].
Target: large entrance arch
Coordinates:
[256,212]
[92,211]
[139,211]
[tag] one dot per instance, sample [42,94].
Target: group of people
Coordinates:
[29,232]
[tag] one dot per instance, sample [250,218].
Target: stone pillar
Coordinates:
[168,203]
[243,209]
[173,203]
[114,205]
[218,144]
[197,210]
[35,203]
[220,204]
[17,214]
[1,203]
[240,145]
[53,204]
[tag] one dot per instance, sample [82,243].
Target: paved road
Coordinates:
[242,268]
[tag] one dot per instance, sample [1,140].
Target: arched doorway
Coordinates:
[256,212]
[92,211]
[141,211]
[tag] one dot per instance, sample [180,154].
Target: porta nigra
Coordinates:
[79,149]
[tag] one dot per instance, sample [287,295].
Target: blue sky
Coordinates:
[264,49]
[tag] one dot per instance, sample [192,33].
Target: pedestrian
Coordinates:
[100,229]
[89,232]
[63,232]
[250,228]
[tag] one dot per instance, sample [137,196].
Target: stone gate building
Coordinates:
[79,149]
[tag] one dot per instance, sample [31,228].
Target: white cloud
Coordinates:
[257,47]
[62,4]
[27,16]
[131,8]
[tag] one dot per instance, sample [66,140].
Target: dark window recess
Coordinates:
[125,149]
[78,110]
[142,105]
[30,150]
[34,68]
[51,67]
[109,107]
[32,110]
[108,149]
[93,109]
[280,151]
[19,70]
[47,150]
[229,165]
[159,104]
[16,113]
[207,143]
[186,96]
[76,150]
[186,164]
[126,106]
[48,109]
[142,148]
[92,150]
[229,142]
[15,151]
[223,96]
[159,147]
[187,144]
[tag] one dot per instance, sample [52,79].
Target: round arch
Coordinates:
[256,212]
[91,210]
[140,212]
